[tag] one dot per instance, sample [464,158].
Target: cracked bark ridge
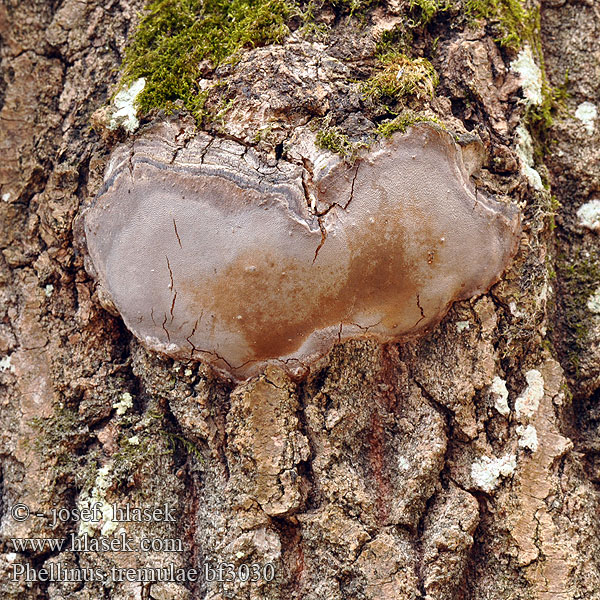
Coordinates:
[212,252]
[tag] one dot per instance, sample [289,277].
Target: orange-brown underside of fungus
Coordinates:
[211,253]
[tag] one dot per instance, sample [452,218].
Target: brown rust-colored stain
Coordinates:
[376,450]
[381,278]
[282,303]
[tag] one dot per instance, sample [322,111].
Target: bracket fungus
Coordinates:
[211,252]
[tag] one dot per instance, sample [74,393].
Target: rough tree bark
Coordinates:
[390,471]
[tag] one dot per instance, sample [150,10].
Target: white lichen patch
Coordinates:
[530,76]
[48,290]
[543,294]
[528,402]
[593,302]
[462,326]
[6,365]
[403,463]
[528,437]
[486,472]
[134,440]
[6,197]
[124,403]
[525,153]
[333,418]
[95,502]
[515,311]
[125,108]
[589,215]
[587,113]
[500,393]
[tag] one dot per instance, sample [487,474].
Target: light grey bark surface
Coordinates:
[402,471]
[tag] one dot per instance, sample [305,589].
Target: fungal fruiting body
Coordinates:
[210,252]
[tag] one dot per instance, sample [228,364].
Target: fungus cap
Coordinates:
[211,252]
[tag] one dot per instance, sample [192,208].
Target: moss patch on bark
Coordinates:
[176,37]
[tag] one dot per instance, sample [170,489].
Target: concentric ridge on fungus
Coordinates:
[210,252]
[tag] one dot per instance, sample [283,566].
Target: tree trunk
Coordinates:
[460,465]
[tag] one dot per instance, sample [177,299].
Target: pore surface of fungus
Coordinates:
[212,252]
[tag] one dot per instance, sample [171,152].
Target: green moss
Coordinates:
[426,10]
[141,449]
[331,138]
[128,460]
[308,12]
[540,117]
[353,7]
[59,435]
[58,442]
[579,278]
[403,121]
[517,26]
[263,134]
[311,28]
[188,446]
[177,40]
[401,76]
[553,208]
[511,20]
[175,36]
[397,40]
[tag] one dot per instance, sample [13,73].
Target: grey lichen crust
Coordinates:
[212,252]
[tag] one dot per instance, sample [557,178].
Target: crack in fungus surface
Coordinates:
[263,277]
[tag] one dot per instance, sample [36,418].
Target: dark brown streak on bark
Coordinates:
[323,238]
[176,233]
[352,188]
[421,309]
[306,184]
[189,341]
[173,306]
[170,274]
[166,330]
[366,329]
